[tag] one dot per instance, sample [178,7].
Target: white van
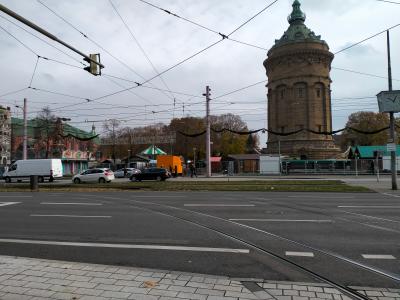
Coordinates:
[44,168]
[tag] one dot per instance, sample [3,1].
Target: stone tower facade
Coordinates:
[299,94]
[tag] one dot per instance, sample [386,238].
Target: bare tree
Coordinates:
[111,126]
[46,129]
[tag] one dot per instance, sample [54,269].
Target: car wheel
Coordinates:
[77,181]
[41,179]
[7,179]
[159,178]
[102,180]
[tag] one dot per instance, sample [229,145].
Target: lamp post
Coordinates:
[25,142]
[194,156]
[129,158]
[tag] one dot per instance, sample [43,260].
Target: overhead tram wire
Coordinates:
[203,26]
[44,41]
[392,2]
[192,56]
[94,42]
[140,46]
[366,39]
[151,87]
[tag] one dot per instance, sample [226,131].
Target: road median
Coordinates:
[247,186]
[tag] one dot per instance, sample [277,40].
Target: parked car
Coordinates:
[129,172]
[94,175]
[158,174]
[44,168]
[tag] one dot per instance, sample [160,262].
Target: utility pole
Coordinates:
[208,133]
[392,122]
[25,144]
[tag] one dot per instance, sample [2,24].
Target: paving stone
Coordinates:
[103,280]
[84,284]
[15,297]
[200,285]
[15,289]
[240,295]
[143,297]
[210,292]
[78,278]
[290,293]
[64,296]
[166,293]
[39,293]
[114,294]
[37,285]
[109,287]
[191,296]
[128,283]
[184,289]
[89,292]
[227,288]
[135,290]
[220,298]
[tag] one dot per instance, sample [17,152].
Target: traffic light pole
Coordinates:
[25,143]
[208,133]
[392,122]
[48,34]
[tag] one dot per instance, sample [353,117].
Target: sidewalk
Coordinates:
[29,279]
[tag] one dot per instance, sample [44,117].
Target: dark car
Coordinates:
[151,174]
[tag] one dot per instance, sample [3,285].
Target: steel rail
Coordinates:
[346,290]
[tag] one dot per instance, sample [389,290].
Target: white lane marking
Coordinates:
[322,197]
[156,196]
[70,216]
[369,206]
[391,195]
[282,220]
[219,205]
[378,256]
[8,203]
[126,246]
[71,203]
[371,217]
[15,196]
[299,254]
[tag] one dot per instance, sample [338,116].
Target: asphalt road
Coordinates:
[348,238]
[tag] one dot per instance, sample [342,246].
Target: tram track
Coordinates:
[343,288]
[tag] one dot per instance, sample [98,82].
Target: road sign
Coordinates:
[389,101]
[391,147]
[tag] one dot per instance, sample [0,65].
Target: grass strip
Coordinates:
[245,186]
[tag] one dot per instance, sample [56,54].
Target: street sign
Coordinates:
[389,101]
[391,147]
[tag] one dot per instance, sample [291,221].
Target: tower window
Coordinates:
[282,94]
[300,92]
[319,93]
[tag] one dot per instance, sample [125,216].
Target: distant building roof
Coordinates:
[244,156]
[369,151]
[68,130]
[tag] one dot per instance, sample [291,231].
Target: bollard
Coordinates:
[34,179]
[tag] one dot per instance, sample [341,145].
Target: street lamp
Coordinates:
[129,158]
[194,156]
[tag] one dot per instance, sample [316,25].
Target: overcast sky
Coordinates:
[167,40]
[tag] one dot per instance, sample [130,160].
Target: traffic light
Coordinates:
[94,68]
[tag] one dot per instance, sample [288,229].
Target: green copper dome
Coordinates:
[298,31]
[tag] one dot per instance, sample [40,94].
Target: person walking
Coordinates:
[192,170]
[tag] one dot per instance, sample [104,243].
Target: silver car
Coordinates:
[94,175]
[129,172]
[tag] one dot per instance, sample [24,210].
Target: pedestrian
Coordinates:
[192,171]
[176,171]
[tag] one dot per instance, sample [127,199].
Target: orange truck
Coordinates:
[170,162]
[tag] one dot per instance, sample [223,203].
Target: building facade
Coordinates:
[5,136]
[72,145]
[299,92]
